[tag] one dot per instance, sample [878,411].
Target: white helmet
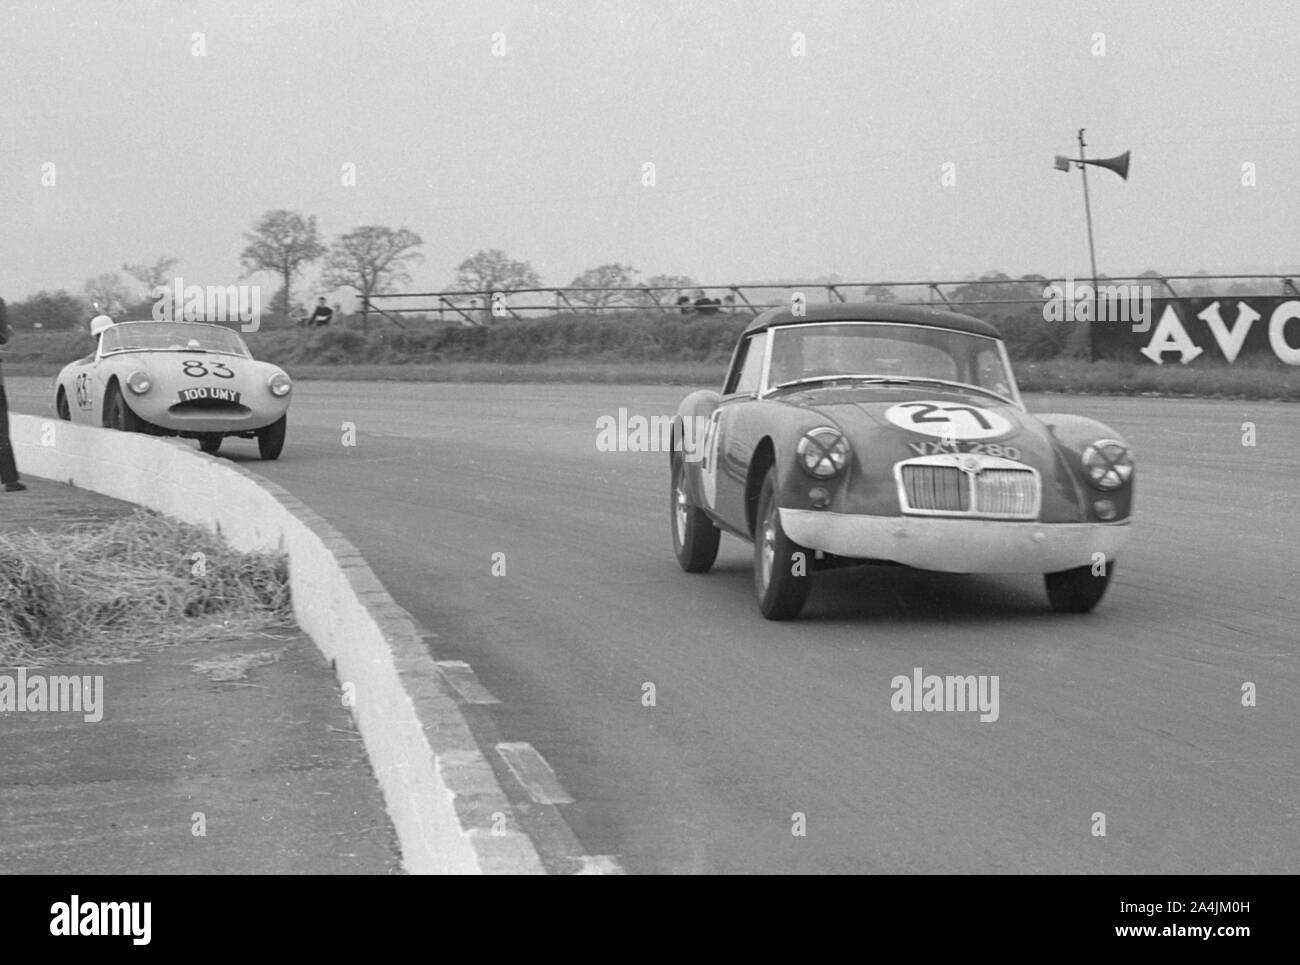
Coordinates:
[99,323]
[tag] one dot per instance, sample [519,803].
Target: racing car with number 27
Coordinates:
[852,434]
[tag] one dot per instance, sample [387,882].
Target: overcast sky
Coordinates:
[767,165]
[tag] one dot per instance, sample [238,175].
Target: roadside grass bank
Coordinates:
[104,592]
[1067,376]
[664,349]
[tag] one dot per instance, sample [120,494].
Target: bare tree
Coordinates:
[670,288]
[605,277]
[494,271]
[108,293]
[372,258]
[157,275]
[282,242]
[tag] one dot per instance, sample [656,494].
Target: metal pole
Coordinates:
[1092,252]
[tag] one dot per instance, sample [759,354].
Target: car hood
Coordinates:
[887,424]
[966,416]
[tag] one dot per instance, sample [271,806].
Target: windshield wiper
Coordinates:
[891,380]
[904,379]
[830,378]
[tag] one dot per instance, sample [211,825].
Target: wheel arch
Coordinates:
[764,459]
[110,386]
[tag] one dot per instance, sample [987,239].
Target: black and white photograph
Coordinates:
[692,437]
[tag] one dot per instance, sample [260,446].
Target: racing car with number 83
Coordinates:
[190,379]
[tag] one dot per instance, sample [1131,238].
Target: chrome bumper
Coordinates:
[956,545]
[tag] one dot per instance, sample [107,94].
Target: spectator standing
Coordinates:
[322,314]
[704,305]
[8,469]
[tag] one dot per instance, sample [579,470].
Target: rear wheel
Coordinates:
[210,443]
[782,568]
[1077,590]
[695,538]
[118,415]
[270,440]
[61,406]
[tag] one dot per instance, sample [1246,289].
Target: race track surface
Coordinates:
[1134,711]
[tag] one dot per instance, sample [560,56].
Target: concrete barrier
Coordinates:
[438,787]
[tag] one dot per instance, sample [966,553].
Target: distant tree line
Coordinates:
[377,259]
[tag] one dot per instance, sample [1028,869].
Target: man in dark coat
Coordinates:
[322,314]
[8,470]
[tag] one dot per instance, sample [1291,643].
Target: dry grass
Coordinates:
[104,591]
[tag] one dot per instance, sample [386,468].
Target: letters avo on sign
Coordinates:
[1227,329]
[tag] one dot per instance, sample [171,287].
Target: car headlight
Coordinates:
[823,452]
[279,384]
[138,382]
[1107,464]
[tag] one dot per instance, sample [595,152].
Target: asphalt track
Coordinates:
[1134,711]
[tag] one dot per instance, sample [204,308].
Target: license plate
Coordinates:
[212,392]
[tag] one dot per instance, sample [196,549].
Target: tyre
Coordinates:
[270,440]
[695,538]
[782,568]
[210,443]
[118,415]
[61,406]
[1077,590]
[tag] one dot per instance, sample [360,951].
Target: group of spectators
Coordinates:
[702,304]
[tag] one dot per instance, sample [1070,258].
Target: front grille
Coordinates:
[936,486]
[1005,492]
[209,407]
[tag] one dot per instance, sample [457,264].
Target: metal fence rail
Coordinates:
[479,307]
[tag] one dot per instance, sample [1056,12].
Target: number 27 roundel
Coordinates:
[948,420]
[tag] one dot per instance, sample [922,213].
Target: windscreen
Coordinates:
[886,350]
[171,336]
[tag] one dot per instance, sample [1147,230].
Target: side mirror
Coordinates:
[99,324]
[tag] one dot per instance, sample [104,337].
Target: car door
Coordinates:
[81,391]
[726,451]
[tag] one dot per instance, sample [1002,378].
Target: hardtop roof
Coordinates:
[874,312]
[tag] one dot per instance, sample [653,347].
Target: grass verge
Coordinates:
[105,591]
[1072,376]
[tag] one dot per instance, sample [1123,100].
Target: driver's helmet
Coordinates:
[99,323]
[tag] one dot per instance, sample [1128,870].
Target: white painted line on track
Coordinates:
[599,864]
[533,773]
[463,680]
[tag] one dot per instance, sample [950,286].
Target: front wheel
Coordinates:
[695,538]
[270,440]
[118,414]
[782,568]
[61,406]
[1077,590]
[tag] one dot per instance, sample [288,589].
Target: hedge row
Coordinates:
[630,337]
